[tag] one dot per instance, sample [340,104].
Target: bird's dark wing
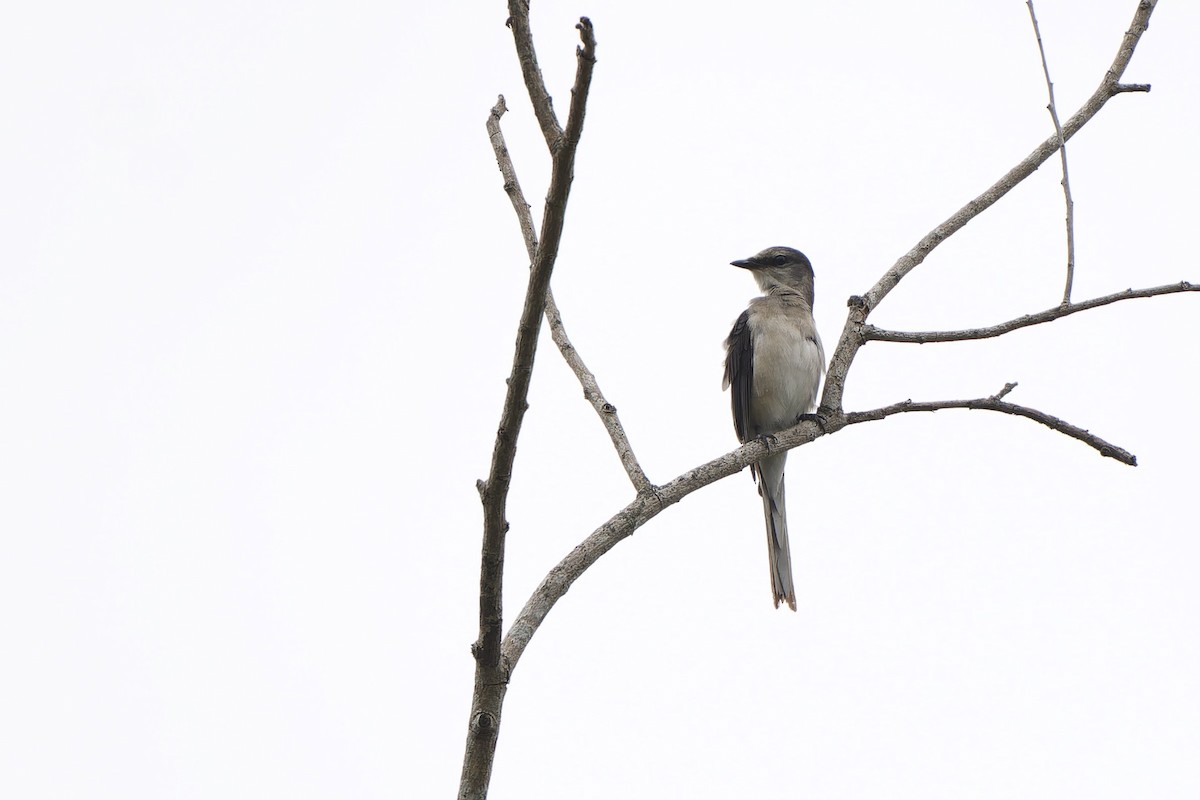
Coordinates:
[739,374]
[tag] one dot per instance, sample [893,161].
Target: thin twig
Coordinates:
[1008,387]
[872,334]
[591,392]
[558,332]
[995,403]
[861,307]
[1062,151]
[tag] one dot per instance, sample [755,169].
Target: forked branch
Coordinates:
[491,673]
[558,332]
[861,307]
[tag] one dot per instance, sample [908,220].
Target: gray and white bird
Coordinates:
[773,364]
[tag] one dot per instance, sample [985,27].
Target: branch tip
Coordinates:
[1008,387]
[588,35]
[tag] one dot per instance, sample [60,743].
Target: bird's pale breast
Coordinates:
[788,362]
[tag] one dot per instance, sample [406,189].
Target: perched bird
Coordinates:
[773,364]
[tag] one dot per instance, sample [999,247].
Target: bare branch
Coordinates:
[591,392]
[512,186]
[1062,151]
[585,55]
[591,388]
[871,333]
[543,104]
[491,673]
[995,403]
[861,307]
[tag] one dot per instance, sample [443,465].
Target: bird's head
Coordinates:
[781,267]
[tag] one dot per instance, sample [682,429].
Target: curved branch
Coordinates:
[861,307]
[648,505]
[995,403]
[558,332]
[645,507]
[872,334]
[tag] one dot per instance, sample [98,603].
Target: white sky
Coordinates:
[258,290]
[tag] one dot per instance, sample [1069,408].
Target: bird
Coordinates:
[774,361]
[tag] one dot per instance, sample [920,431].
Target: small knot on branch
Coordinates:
[608,408]
[483,722]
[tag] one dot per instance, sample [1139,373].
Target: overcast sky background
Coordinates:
[258,291]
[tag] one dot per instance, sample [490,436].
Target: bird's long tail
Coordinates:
[771,488]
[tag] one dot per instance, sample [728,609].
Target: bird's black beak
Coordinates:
[743,263]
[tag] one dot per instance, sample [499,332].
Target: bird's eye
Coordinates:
[780,260]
